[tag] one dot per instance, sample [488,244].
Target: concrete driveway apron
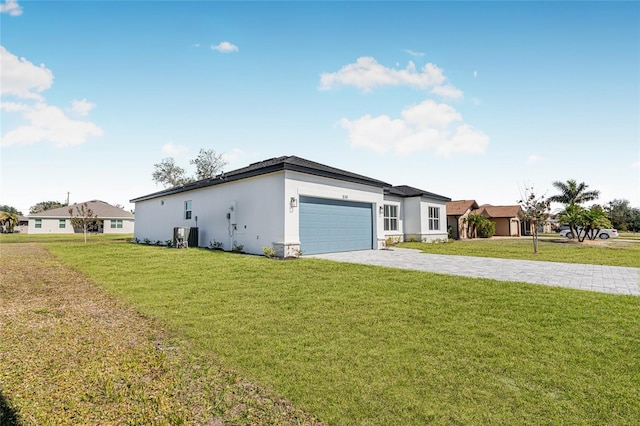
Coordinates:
[606,279]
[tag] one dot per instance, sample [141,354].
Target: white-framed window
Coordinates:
[116,223]
[434,218]
[62,223]
[390,217]
[38,223]
[187,209]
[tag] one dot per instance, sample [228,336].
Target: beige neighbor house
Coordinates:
[508,219]
[110,220]
[457,213]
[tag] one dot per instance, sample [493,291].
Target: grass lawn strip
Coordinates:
[357,344]
[612,253]
[70,354]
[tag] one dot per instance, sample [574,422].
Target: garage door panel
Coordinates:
[334,225]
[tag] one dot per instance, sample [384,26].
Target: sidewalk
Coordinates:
[606,279]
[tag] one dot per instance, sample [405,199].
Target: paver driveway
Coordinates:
[606,279]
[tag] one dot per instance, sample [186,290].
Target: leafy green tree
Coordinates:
[622,215]
[168,173]
[10,209]
[572,192]
[572,215]
[634,220]
[536,210]
[479,226]
[585,223]
[594,220]
[44,206]
[208,164]
[82,218]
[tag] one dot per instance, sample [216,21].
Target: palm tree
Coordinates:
[8,221]
[572,193]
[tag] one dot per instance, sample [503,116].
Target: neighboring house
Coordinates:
[110,220]
[292,205]
[23,224]
[457,213]
[506,218]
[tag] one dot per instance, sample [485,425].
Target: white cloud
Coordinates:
[21,78]
[11,7]
[13,107]
[173,149]
[47,123]
[427,126]
[429,114]
[533,158]
[41,122]
[447,91]
[636,165]
[195,45]
[366,74]
[475,74]
[225,47]
[412,53]
[82,107]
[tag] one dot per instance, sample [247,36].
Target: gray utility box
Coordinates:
[184,236]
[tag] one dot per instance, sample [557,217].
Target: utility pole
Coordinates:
[67,197]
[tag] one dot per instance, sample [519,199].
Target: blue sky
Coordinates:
[471,100]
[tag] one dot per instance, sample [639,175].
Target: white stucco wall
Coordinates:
[50,226]
[127,227]
[417,219]
[302,184]
[258,214]
[264,217]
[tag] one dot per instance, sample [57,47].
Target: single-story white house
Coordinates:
[294,206]
[110,220]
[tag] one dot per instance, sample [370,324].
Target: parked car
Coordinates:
[603,234]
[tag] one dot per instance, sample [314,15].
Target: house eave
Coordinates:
[284,166]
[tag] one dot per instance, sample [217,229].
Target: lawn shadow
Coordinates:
[8,417]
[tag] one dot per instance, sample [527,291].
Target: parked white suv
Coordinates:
[602,234]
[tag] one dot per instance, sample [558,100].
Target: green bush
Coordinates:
[486,228]
[269,252]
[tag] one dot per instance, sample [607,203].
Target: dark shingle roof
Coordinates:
[271,165]
[409,191]
[100,208]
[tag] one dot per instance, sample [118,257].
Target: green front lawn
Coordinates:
[61,238]
[367,345]
[612,253]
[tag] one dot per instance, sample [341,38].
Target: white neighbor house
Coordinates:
[110,220]
[292,204]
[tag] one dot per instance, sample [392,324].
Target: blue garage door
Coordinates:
[333,225]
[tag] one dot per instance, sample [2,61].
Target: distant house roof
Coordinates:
[409,191]
[498,211]
[100,208]
[271,165]
[460,207]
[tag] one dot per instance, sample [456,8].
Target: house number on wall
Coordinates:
[344,197]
